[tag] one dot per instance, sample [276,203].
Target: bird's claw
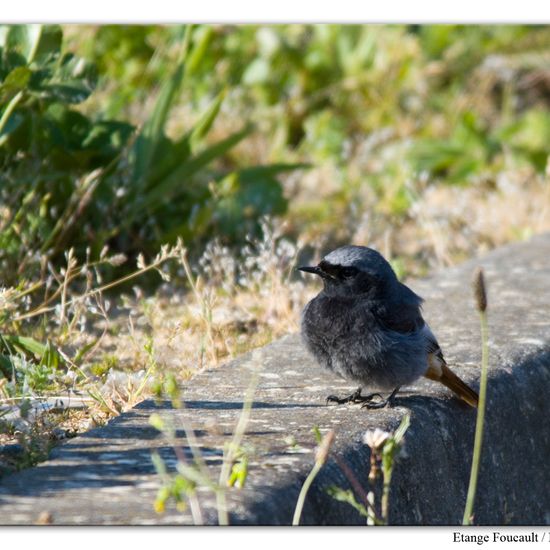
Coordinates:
[337,400]
[371,401]
[366,399]
[375,404]
[380,404]
[355,397]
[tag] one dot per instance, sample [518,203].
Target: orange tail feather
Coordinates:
[442,373]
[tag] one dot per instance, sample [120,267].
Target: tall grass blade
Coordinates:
[152,133]
[178,179]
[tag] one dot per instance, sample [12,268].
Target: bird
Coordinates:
[367,327]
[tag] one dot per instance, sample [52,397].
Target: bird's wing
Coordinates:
[404,318]
[433,346]
[407,319]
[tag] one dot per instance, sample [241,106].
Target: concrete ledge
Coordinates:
[106,476]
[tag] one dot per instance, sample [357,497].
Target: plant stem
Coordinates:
[93,292]
[476,458]
[357,487]
[205,305]
[303,493]
[385,502]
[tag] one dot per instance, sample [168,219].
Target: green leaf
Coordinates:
[48,354]
[239,473]
[84,350]
[168,156]
[317,433]
[183,486]
[529,133]
[147,144]
[21,39]
[177,180]
[25,344]
[50,358]
[249,194]
[67,129]
[195,226]
[146,147]
[6,366]
[174,154]
[157,422]
[196,57]
[47,43]
[17,79]
[205,122]
[348,497]
[72,83]
[403,427]
[108,137]
[10,126]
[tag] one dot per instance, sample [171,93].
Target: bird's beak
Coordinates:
[316,270]
[313,269]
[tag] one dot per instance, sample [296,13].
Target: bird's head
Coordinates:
[355,270]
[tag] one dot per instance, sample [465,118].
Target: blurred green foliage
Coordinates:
[135,135]
[74,178]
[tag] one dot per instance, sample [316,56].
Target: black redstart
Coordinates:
[367,327]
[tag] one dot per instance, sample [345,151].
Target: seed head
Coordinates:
[480,291]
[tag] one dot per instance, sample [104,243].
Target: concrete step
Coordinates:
[107,476]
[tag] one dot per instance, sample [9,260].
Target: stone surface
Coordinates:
[107,477]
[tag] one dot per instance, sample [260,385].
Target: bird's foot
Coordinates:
[380,404]
[355,397]
[376,404]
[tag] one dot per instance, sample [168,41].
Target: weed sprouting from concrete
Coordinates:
[480,294]
[384,451]
[193,475]
[390,450]
[235,462]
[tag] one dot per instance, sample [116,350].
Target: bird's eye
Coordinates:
[348,272]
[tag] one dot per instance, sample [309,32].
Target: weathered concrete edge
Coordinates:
[440,503]
[430,482]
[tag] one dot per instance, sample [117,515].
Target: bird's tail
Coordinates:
[442,373]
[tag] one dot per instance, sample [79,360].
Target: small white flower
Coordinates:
[376,438]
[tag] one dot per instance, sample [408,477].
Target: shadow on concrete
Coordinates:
[237,405]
